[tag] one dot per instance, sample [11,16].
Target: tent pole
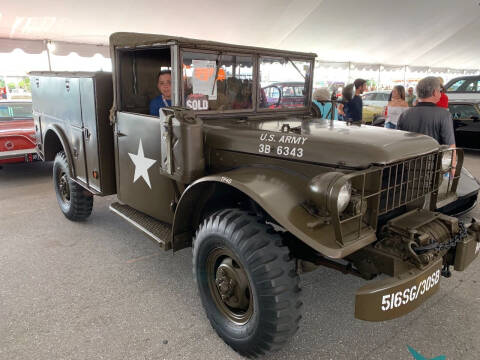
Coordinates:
[48,55]
[379,70]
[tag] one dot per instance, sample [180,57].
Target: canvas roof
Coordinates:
[440,33]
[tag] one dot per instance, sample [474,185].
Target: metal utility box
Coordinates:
[73,108]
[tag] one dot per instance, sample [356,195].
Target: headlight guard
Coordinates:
[331,192]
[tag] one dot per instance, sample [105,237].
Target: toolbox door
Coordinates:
[69,96]
[90,139]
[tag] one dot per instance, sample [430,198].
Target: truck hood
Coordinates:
[319,141]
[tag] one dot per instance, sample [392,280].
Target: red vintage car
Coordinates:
[17,132]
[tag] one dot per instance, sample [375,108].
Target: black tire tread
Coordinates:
[80,204]
[272,270]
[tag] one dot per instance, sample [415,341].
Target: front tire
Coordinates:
[247,282]
[75,202]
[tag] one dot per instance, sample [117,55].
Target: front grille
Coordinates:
[407,181]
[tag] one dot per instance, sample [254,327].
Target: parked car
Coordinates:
[466,123]
[287,94]
[464,88]
[17,132]
[467,195]
[374,103]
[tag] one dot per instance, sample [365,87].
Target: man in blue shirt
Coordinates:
[356,104]
[164,85]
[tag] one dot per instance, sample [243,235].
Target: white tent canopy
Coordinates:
[433,33]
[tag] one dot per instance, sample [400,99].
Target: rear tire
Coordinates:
[247,282]
[75,202]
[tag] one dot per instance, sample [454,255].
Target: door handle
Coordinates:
[87,134]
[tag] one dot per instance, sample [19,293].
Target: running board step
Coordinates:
[157,230]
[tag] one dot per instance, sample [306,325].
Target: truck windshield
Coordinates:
[220,82]
[283,83]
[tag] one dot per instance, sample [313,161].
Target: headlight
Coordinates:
[331,190]
[446,160]
[344,196]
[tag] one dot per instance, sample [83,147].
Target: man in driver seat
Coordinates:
[164,85]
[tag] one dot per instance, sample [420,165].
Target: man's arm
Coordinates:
[447,136]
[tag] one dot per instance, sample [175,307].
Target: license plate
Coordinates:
[31,157]
[395,297]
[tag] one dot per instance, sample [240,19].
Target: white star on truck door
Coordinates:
[142,164]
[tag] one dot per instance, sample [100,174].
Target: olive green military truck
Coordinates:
[260,188]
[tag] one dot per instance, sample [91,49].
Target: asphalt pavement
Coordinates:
[100,289]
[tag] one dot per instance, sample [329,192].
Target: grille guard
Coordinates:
[381,189]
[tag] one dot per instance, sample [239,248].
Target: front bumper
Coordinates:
[396,296]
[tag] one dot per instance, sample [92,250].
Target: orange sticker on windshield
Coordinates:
[203,74]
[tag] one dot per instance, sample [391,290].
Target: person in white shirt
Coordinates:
[395,107]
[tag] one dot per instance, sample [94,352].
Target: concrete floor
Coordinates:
[102,290]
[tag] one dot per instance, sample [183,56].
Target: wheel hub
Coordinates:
[230,286]
[63,187]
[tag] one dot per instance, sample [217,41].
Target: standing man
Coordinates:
[356,104]
[164,85]
[427,118]
[410,98]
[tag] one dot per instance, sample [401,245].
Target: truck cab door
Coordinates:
[140,182]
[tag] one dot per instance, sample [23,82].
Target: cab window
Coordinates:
[472,86]
[299,91]
[217,82]
[288,91]
[12,111]
[465,85]
[455,86]
[138,71]
[279,76]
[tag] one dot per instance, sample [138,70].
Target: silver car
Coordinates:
[466,88]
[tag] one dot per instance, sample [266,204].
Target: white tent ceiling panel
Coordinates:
[85,50]
[440,33]
[28,46]
[389,32]
[60,48]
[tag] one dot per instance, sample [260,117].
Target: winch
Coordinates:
[420,236]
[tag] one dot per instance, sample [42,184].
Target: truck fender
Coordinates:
[53,139]
[278,192]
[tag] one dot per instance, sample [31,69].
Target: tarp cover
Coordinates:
[436,33]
